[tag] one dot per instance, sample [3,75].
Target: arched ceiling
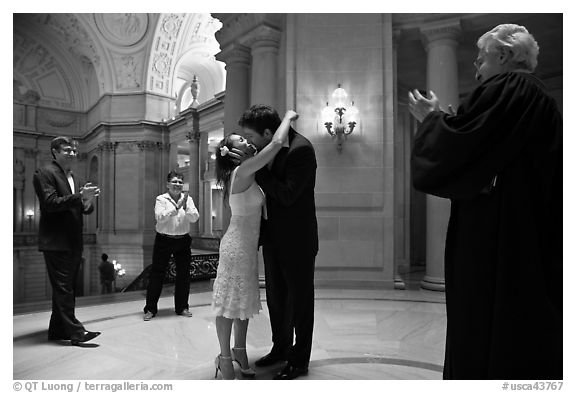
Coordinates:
[55,56]
[71,60]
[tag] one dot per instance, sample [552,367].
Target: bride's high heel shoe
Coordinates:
[225,366]
[247,372]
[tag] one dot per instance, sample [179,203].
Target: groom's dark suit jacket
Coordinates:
[291,226]
[60,210]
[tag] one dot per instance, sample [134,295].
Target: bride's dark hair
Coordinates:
[224,164]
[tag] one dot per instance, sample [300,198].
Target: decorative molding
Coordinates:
[150,146]
[193,136]
[72,35]
[122,29]
[171,25]
[127,147]
[262,36]
[443,30]
[106,147]
[161,65]
[56,120]
[162,57]
[235,54]
[237,25]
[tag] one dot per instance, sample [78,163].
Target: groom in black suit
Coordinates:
[62,204]
[289,238]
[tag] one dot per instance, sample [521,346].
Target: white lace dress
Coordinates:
[236,293]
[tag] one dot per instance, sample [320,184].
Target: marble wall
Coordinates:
[354,187]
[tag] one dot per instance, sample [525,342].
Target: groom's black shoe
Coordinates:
[291,372]
[86,336]
[270,359]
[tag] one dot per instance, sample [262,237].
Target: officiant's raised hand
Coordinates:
[420,106]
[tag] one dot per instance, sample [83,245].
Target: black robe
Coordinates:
[499,161]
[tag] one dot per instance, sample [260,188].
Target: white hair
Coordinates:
[517,39]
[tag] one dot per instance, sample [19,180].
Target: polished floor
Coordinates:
[358,335]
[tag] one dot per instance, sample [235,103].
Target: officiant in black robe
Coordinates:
[499,161]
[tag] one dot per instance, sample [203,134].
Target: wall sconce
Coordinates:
[29,217]
[340,119]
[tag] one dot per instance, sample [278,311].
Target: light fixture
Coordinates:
[29,217]
[341,118]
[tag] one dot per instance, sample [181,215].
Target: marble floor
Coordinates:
[358,335]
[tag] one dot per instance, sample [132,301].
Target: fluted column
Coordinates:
[106,200]
[193,138]
[263,42]
[441,43]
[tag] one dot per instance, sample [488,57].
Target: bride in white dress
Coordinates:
[236,296]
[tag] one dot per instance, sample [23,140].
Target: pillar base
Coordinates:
[399,283]
[433,284]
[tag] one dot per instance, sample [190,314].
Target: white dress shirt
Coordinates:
[170,221]
[71,182]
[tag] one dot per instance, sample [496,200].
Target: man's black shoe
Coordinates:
[270,359]
[291,372]
[57,338]
[87,336]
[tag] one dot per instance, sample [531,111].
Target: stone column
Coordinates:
[18,179]
[237,100]
[400,233]
[106,200]
[263,42]
[193,138]
[441,43]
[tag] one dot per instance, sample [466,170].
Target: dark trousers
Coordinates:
[164,248]
[106,287]
[62,269]
[290,299]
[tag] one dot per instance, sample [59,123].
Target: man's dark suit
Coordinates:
[60,239]
[290,243]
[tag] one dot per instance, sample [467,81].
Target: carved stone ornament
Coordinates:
[106,146]
[58,120]
[193,136]
[128,71]
[122,29]
[171,26]
[127,147]
[162,64]
[150,146]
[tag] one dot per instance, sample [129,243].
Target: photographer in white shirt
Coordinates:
[174,212]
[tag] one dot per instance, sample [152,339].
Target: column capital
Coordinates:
[262,36]
[193,136]
[106,147]
[447,30]
[150,146]
[235,54]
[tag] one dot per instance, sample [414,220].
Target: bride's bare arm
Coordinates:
[252,164]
